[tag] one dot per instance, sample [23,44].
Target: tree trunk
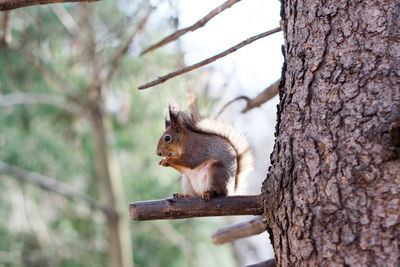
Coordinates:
[332,194]
[108,170]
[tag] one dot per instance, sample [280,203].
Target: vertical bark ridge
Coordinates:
[333,190]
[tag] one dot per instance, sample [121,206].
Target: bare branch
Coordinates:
[179,208]
[37,98]
[7,37]
[13,4]
[257,101]
[115,62]
[239,230]
[48,183]
[209,60]
[194,27]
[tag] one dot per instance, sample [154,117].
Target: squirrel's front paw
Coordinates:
[164,162]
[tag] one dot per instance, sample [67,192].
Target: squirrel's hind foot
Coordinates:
[207,195]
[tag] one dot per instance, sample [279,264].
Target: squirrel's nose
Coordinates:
[159,153]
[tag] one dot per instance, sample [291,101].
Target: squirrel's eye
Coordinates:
[167,138]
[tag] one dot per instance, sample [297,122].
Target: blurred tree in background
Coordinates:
[81,140]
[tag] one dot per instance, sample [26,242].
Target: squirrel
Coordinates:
[211,155]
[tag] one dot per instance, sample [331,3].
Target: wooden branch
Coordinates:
[174,208]
[257,101]
[209,60]
[239,230]
[7,37]
[175,35]
[267,263]
[115,62]
[49,184]
[13,4]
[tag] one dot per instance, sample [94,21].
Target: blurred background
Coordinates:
[78,140]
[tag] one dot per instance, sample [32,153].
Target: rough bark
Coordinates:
[332,194]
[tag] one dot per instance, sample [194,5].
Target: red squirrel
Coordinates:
[211,155]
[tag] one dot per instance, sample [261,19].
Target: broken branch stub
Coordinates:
[238,230]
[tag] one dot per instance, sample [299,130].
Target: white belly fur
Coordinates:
[197,180]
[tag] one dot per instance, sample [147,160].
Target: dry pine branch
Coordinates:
[13,4]
[193,27]
[189,207]
[209,60]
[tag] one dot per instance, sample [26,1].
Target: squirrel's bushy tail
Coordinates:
[245,160]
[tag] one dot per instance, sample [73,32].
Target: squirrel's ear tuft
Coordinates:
[167,123]
[172,116]
[166,118]
[173,119]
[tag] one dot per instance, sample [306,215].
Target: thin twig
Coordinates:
[13,4]
[115,62]
[209,60]
[175,35]
[257,101]
[48,183]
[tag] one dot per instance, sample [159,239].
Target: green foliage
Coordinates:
[40,228]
